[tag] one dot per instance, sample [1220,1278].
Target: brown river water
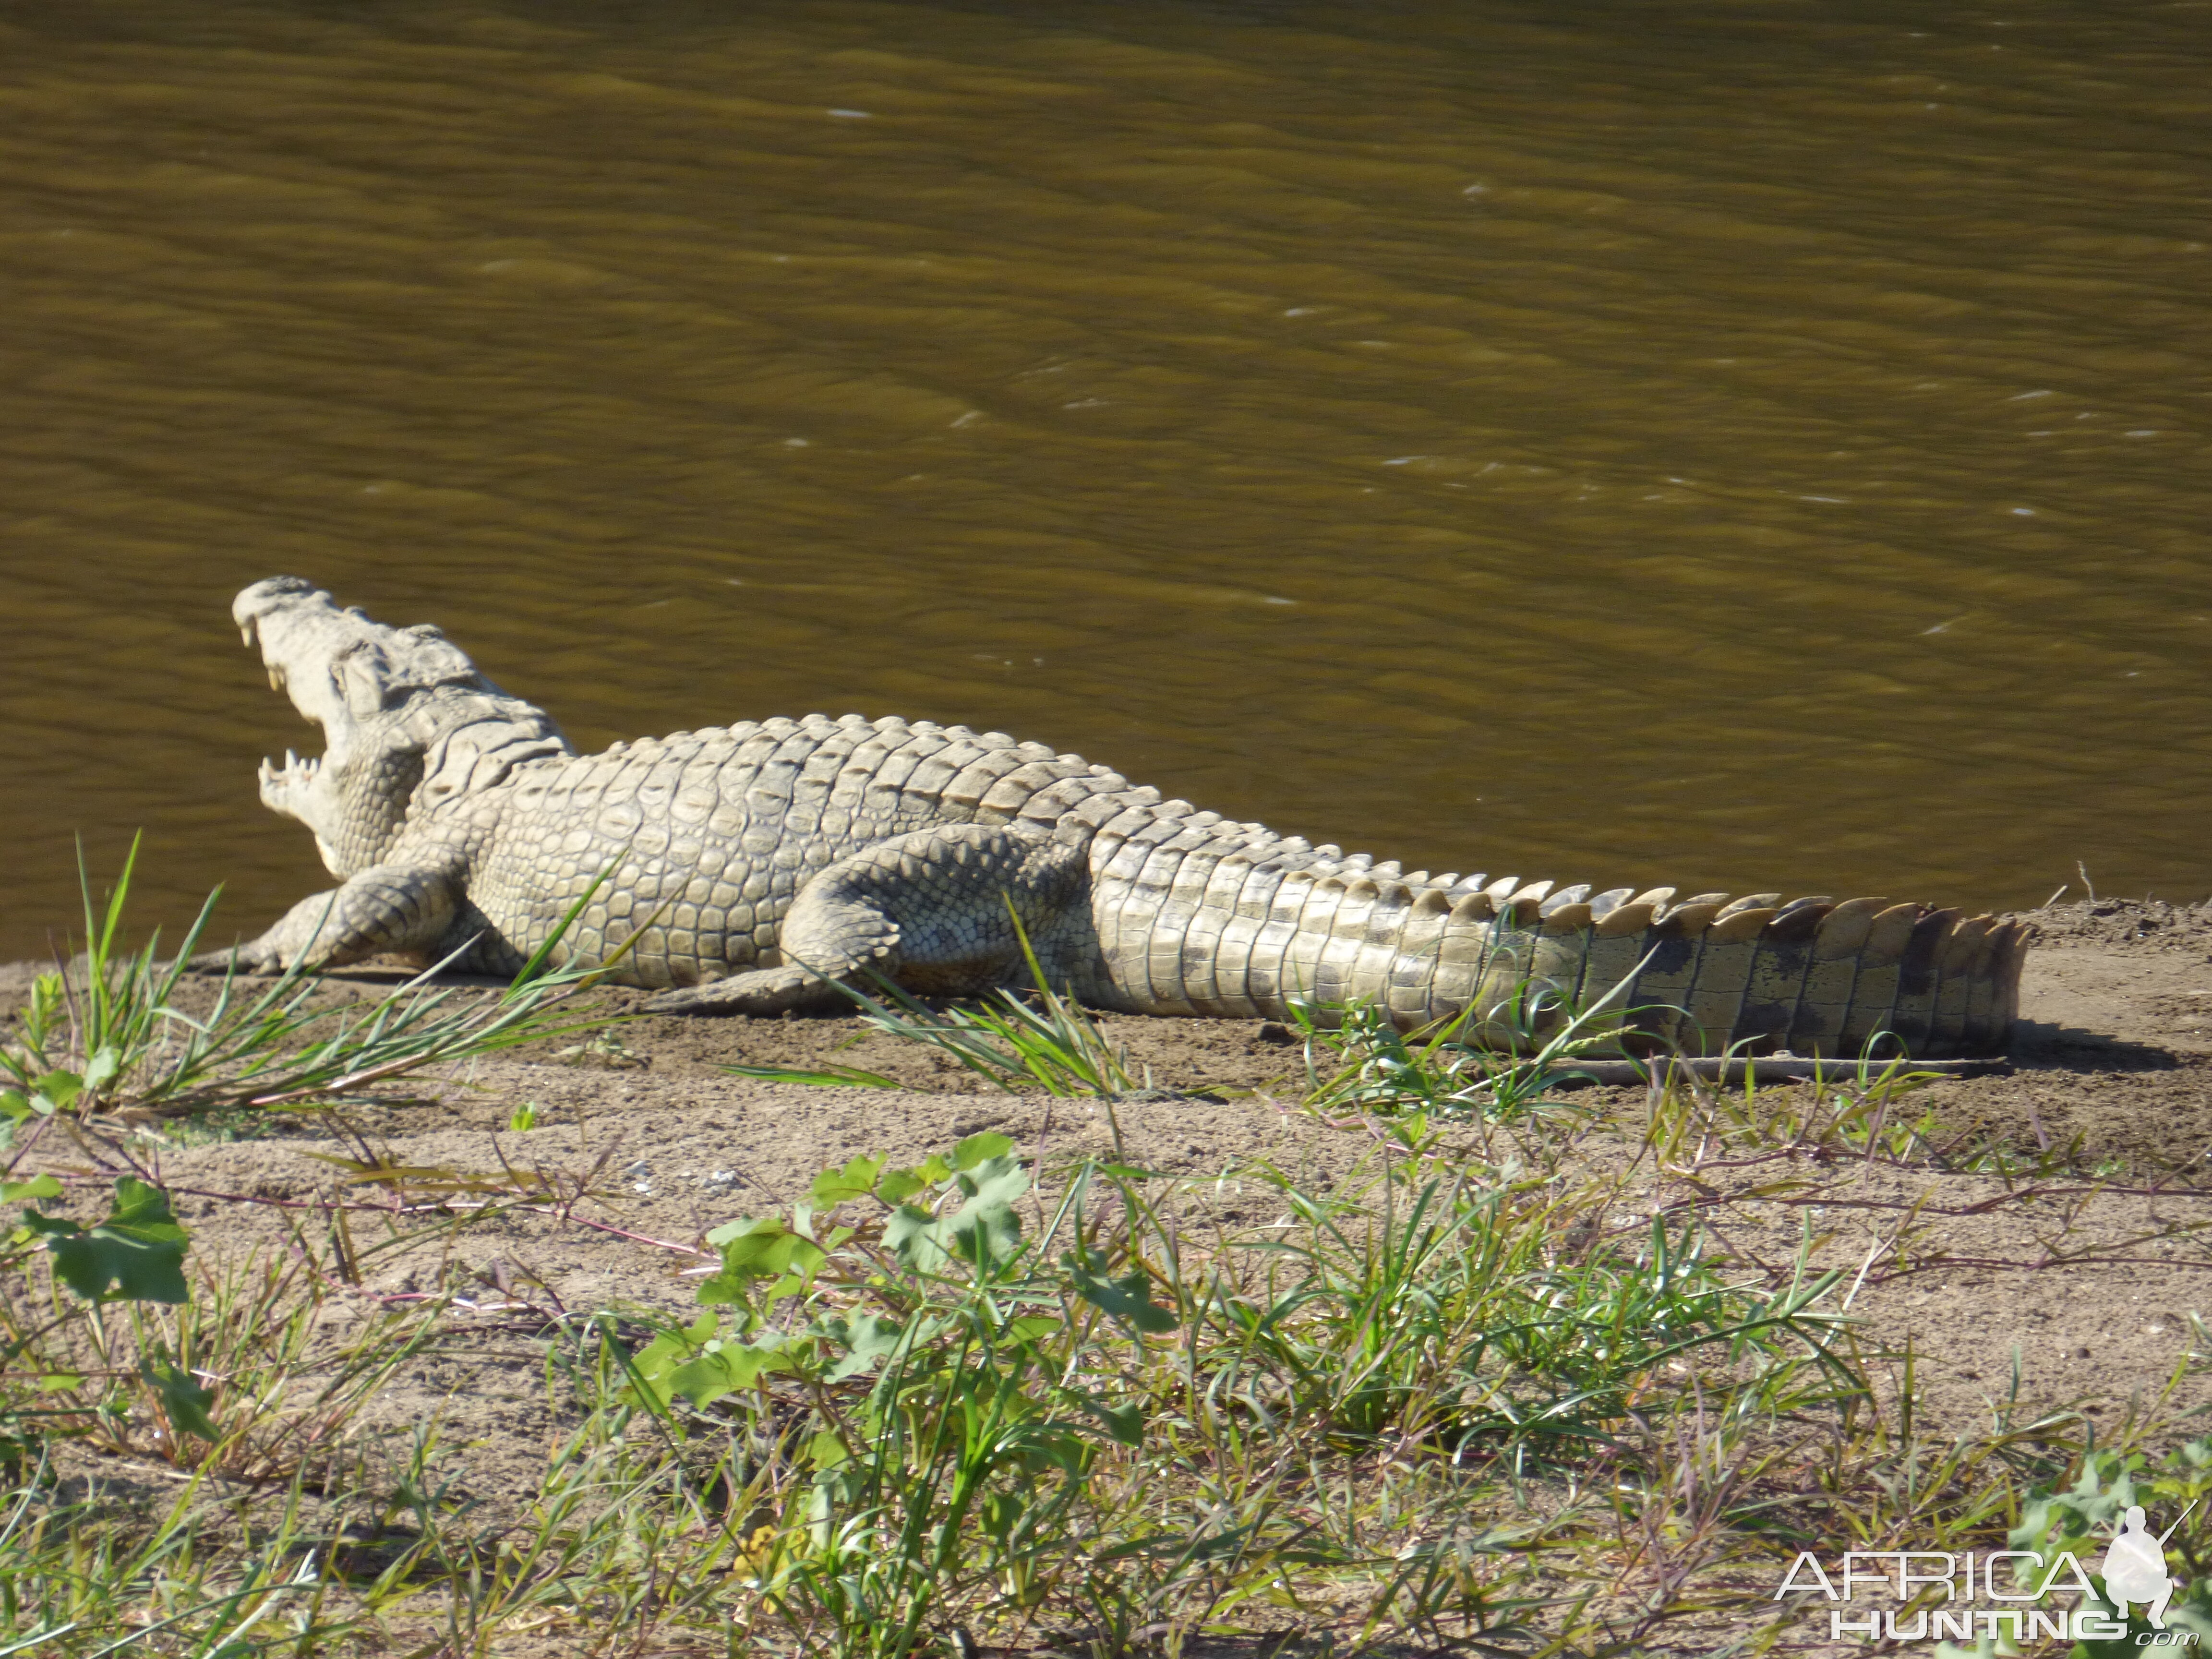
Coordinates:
[1743,446]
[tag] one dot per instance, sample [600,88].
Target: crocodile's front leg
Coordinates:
[389,908]
[928,909]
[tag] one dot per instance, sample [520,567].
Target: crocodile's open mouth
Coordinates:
[296,771]
[348,675]
[390,702]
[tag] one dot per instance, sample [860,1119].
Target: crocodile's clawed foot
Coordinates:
[242,960]
[763,993]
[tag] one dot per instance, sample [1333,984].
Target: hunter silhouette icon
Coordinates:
[2135,1567]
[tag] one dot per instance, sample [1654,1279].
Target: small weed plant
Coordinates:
[107,1032]
[1531,1047]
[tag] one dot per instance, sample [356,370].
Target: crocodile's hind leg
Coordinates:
[928,909]
[396,909]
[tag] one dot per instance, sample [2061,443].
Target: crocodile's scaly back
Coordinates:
[718,830]
[742,869]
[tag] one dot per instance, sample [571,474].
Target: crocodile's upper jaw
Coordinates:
[339,667]
[353,677]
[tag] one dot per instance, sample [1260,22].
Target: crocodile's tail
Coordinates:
[1710,974]
[1704,974]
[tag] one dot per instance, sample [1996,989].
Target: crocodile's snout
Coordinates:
[256,601]
[303,637]
[288,619]
[336,665]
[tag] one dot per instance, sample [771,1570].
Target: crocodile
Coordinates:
[761,867]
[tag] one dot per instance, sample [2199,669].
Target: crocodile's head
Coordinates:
[409,725]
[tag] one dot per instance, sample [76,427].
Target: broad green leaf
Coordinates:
[102,1069]
[60,1381]
[136,1255]
[726,1289]
[984,1231]
[826,1451]
[17,1106]
[105,1265]
[981,1234]
[867,1338]
[15,1192]
[1127,1298]
[58,1089]
[856,1180]
[754,1251]
[978,1148]
[144,1208]
[654,1363]
[184,1400]
[738,1229]
[790,1285]
[998,1180]
[723,1368]
[895,1187]
[911,1235]
[671,1348]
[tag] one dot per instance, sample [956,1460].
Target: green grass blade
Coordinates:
[825,1077]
